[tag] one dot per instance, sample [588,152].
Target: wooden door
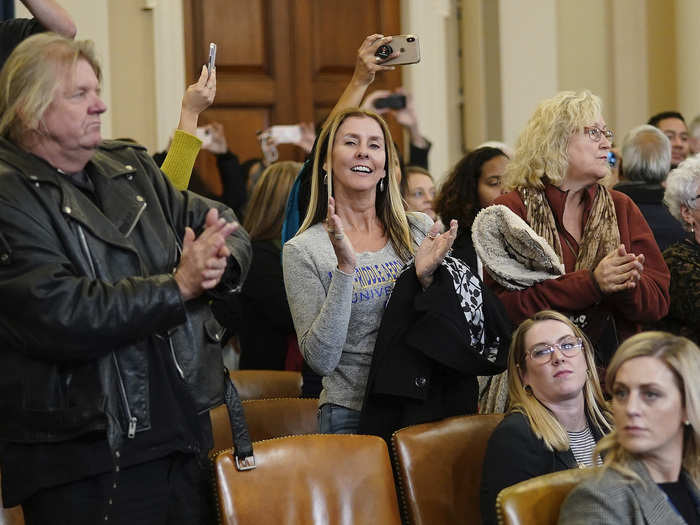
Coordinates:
[279,62]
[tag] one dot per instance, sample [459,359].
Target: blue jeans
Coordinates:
[334,419]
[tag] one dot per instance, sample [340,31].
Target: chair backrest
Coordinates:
[538,500]
[266,384]
[11,516]
[439,468]
[314,479]
[267,418]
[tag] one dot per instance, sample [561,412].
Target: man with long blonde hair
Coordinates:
[109,356]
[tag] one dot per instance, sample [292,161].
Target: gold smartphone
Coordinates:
[407,46]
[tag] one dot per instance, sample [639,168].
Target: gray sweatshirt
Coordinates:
[337,316]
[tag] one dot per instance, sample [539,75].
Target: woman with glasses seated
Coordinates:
[557,410]
[614,277]
[651,474]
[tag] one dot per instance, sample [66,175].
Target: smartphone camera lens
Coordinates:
[410,39]
[384,51]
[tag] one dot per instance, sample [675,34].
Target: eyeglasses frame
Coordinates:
[597,132]
[578,348]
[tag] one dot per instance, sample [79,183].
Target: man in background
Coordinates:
[672,124]
[646,161]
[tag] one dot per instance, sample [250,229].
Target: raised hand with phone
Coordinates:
[183,150]
[398,103]
[213,138]
[198,97]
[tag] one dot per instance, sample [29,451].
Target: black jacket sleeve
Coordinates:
[235,194]
[419,156]
[12,32]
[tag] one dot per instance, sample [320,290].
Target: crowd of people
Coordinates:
[529,276]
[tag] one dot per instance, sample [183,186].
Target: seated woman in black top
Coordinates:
[557,410]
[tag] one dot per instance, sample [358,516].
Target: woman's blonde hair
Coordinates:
[543,423]
[388,203]
[541,153]
[682,357]
[30,78]
[265,212]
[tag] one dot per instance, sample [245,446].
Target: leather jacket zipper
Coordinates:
[132,420]
[177,364]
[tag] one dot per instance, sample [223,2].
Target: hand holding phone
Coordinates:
[204,134]
[394,101]
[285,134]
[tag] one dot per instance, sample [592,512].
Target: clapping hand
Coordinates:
[204,259]
[433,250]
[342,246]
[619,271]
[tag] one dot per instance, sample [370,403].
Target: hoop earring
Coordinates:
[325,177]
[381,184]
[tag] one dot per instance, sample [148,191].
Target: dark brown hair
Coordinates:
[458,197]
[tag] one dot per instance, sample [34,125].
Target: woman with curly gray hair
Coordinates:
[682,197]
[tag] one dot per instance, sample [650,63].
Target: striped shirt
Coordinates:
[582,444]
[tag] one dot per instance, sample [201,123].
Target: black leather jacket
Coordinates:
[86,289]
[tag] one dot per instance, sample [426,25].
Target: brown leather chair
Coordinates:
[267,418]
[439,468]
[537,501]
[266,384]
[11,516]
[315,479]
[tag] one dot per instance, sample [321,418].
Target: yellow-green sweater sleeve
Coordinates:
[180,159]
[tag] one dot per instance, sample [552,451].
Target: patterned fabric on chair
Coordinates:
[312,479]
[537,501]
[439,468]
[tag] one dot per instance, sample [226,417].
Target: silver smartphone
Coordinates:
[212,59]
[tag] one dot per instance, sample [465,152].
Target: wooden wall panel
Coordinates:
[240,40]
[341,26]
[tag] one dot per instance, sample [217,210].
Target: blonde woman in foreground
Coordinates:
[652,460]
